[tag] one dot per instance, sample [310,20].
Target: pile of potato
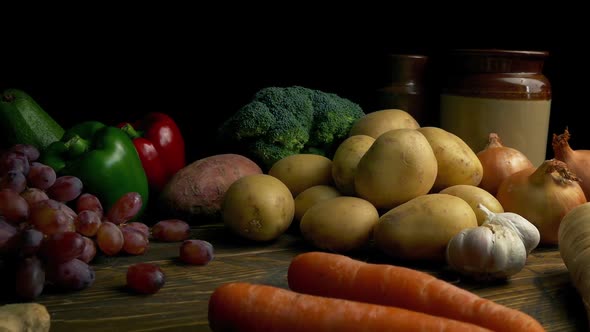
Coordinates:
[408,188]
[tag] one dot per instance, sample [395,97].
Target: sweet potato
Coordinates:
[196,192]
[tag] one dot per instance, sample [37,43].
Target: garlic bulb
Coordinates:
[490,251]
[528,233]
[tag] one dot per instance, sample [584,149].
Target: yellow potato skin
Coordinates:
[421,228]
[376,123]
[301,171]
[339,224]
[310,196]
[399,166]
[457,162]
[346,159]
[473,196]
[258,207]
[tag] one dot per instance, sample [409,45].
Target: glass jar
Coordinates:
[404,85]
[500,91]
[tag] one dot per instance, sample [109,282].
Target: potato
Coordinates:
[24,317]
[346,159]
[457,163]
[258,207]
[421,228]
[473,196]
[311,196]
[195,192]
[399,166]
[339,224]
[376,123]
[301,171]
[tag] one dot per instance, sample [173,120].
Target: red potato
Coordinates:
[196,191]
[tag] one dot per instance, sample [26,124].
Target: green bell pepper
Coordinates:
[103,157]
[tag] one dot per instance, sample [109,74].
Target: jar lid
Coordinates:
[406,67]
[501,52]
[497,61]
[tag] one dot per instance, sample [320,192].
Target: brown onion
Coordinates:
[578,161]
[542,195]
[499,162]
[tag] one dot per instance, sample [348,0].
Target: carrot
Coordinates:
[339,276]
[250,307]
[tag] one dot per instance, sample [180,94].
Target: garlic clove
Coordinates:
[528,233]
[470,249]
[491,251]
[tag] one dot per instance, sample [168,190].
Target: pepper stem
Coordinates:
[76,146]
[130,131]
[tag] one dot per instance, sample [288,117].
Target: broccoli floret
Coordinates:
[292,109]
[333,118]
[281,121]
[253,120]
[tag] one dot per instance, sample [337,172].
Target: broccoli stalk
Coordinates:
[282,121]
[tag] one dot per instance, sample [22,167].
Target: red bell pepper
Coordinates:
[160,146]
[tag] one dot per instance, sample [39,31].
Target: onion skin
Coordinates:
[543,196]
[578,161]
[499,162]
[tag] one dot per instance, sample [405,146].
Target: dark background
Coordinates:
[200,68]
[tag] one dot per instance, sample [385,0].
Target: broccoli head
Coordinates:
[281,121]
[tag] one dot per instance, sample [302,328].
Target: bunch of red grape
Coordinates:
[50,230]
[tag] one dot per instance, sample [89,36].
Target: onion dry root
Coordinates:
[578,161]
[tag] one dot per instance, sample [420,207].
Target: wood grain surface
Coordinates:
[542,289]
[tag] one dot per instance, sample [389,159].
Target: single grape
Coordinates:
[14,180]
[41,176]
[30,278]
[109,238]
[66,188]
[145,278]
[47,217]
[33,195]
[89,251]
[13,207]
[125,208]
[135,242]
[28,150]
[171,230]
[90,202]
[197,252]
[143,228]
[87,223]
[68,210]
[62,247]
[30,240]
[14,161]
[7,231]
[50,203]
[71,275]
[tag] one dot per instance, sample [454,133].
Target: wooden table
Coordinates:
[542,289]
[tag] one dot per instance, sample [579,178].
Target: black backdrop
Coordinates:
[201,73]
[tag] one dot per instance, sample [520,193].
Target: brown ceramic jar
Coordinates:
[501,91]
[404,88]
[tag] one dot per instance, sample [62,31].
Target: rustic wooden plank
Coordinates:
[542,289]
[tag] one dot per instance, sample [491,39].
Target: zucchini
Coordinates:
[23,121]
